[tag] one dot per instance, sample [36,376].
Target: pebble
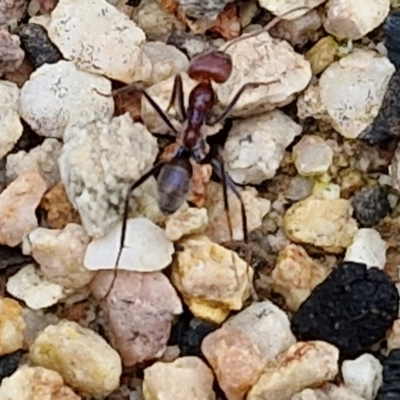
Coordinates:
[59,94]
[296,275]
[352,308]
[299,188]
[217,229]
[11,54]
[255,146]
[10,124]
[280,7]
[42,159]
[98,162]
[18,203]
[304,364]
[345,19]
[146,248]
[200,9]
[185,222]
[368,248]
[322,223]
[99,39]
[267,60]
[31,383]
[12,326]
[391,29]
[12,12]
[328,392]
[363,375]
[322,54]
[186,376]
[29,285]
[81,356]
[139,309]
[200,268]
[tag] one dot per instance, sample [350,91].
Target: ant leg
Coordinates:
[219,169]
[177,93]
[228,109]
[156,107]
[135,185]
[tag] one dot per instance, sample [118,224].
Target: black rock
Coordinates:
[37,45]
[9,364]
[390,389]
[352,309]
[392,37]
[12,256]
[370,206]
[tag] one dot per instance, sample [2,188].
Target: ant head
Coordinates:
[213,65]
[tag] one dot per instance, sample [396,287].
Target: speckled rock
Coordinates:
[81,356]
[58,94]
[322,54]
[280,7]
[34,383]
[139,309]
[304,364]
[186,375]
[18,203]
[186,221]
[200,268]
[99,39]
[98,162]
[323,223]
[10,124]
[11,12]
[12,326]
[296,275]
[255,146]
[11,54]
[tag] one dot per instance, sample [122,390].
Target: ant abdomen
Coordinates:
[174,184]
[213,65]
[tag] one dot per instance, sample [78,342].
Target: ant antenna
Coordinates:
[266,28]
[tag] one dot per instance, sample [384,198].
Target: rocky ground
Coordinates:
[307,309]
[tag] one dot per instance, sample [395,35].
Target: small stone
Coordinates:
[99,39]
[188,42]
[11,54]
[345,19]
[185,222]
[185,376]
[31,383]
[392,43]
[322,54]
[29,286]
[200,268]
[322,223]
[367,248]
[139,309]
[312,155]
[280,7]
[200,9]
[303,365]
[146,248]
[363,375]
[9,364]
[59,94]
[18,203]
[255,146]
[60,255]
[11,12]
[10,124]
[12,326]
[81,356]
[296,275]
[328,392]
[42,159]
[299,188]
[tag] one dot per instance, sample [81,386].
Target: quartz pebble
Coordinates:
[34,383]
[98,163]
[280,7]
[18,203]
[10,124]
[99,39]
[368,248]
[146,248]
[312,155]
[255,146]
[139,308]
[267,60]
[296,275]
[200,268]
[81,356]
[30,286]
[11,54]
[179,379]
[59,94]
[12,326]
[323,223]
[345,19]
[363,375]
[304,364]
[185,222]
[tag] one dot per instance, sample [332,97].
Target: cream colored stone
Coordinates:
[186,221]
[280,7]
